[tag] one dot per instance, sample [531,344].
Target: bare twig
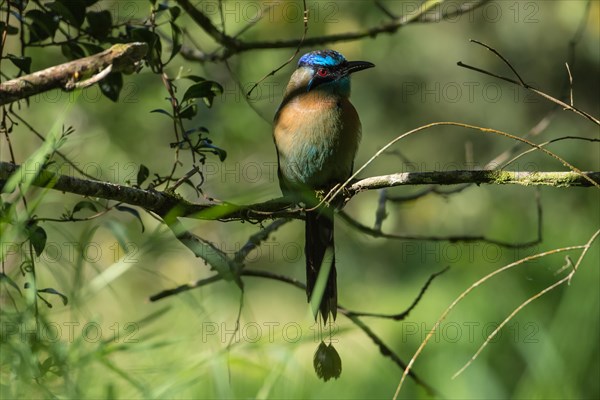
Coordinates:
[522,83]
[570,83]
[385,350]
[289,60]
[469,290]
[405,313]
[255,240]
[566,279]
[454,238]
[233,45]
[352,316]
[396,179]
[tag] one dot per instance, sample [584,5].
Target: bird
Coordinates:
[316,133]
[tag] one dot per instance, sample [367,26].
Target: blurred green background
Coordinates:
[104,345]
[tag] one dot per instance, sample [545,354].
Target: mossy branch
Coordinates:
[75,74]
[166,203]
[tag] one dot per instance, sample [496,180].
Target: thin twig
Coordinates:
[454,238]
[570,83]
[463,295]
[525,303]
[339,188]
[234,45]
[405,313]
[289,60]
[521,83]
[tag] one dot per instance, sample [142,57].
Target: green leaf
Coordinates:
[206,90]
[72,11]
[91,48]
[38,237]
[72,51]
[176,39]
[12,283]
[154,45]
[111,85]
[161,111]
[162,7]
[133,212]
[118,231]
[194,78]
[84,205]
[23,63]
[327,362]
[43,25]
[215,150]
[142,174]
[65,299]
[100,23]
[10,30]
[175,12]
[189,112]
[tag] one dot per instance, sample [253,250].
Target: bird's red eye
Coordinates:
[322,72]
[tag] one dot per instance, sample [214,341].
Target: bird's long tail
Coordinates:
[319,242]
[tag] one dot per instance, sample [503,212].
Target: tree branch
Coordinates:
[170,204]
[75,74]
[353,316]
[233,45]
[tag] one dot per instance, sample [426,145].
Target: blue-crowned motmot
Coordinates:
[317,132]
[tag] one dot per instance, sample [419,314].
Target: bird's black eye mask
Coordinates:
[329,74]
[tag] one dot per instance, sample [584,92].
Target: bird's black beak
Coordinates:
[355,66]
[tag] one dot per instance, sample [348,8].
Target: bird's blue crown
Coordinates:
[325,58]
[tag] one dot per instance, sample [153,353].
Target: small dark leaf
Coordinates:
[142,174]
[161,111]
[216,150]
[153,41]
[72,11]
[176,39]
[10,30]
[194,78]
[206,90]
[4,277]
[43,25]
[111,85]
[189,112]
[327,362]
[87,205]
[72,51]
[23,63]
[133,212]
[48,304]
[100,23]
[37,236]
[46,365]
[91,48]
[65,299]
[192,132]
[175,12]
